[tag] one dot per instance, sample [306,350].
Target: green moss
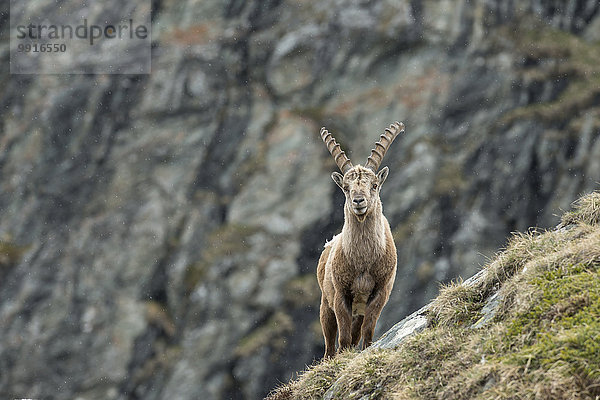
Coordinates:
[563,325]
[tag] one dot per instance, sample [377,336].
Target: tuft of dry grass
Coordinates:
[315,380]
[586,210]
[456,303]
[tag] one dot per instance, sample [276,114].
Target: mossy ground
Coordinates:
[542,343]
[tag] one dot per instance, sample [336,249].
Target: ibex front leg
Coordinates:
[372,312]
[344,320]
[329,325]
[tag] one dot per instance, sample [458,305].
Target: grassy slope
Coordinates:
[543,342]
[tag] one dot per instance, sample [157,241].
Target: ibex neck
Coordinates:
[363,239]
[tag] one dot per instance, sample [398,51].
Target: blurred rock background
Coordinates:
[159,233]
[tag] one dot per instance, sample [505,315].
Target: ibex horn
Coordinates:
[381,147]
[342,161]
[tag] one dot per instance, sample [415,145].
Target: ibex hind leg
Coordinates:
[329,326]
[357,322]
[359,304]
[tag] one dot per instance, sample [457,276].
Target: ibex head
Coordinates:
[360,184]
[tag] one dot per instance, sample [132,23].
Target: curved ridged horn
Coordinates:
[342,161]
[381,147]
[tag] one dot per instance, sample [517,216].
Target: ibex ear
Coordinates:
[382,175]
[338,179]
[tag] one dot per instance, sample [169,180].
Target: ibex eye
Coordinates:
[374,186]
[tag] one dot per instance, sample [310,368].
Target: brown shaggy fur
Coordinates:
[357,268]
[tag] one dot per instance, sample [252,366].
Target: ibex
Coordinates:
[357,268]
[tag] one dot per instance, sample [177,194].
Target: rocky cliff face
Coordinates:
[159,233]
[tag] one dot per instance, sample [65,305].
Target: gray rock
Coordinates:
[489,310]
[404,329]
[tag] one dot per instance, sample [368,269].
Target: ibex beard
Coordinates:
[357,268]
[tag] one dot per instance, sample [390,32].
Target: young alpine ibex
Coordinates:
[357,268]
